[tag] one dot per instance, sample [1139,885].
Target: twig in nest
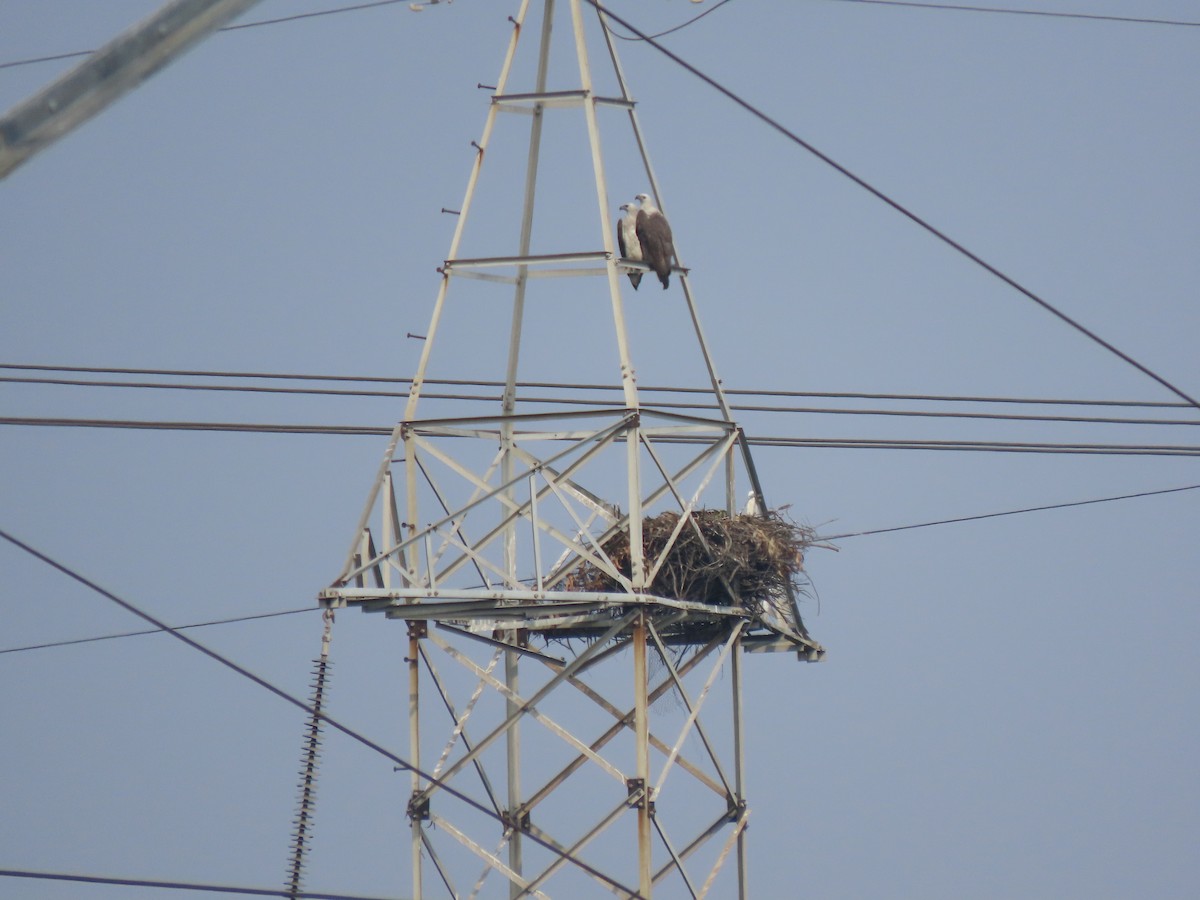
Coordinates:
[741,560]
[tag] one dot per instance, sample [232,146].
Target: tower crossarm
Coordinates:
[529,101]
[545,265]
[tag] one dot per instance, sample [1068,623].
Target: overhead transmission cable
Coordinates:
[181,886]
[664,406]
[895,204]
[145,631]
[821,538]
[657,405]
[1010,512]
[758,440]
[679,27]
[12,64]
[558,385]
[279,692]
[801,142]
[1138,20]
[648,390]
[899,3]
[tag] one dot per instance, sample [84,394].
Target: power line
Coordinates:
[896,205]
[12,64]
[1022,12]
[974,446]
[357,7]
[525,385]
[431,779]
[820,155]
[901,3]
[144,631]
[181,886]
[1010,512]
[680,27]
[819,538]
[1106,449]
[676,405]
[210,373]
[227,427]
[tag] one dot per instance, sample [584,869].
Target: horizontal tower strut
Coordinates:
[524,102]
[506,602]
[565,264]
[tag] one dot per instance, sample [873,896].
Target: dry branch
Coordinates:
[741,560]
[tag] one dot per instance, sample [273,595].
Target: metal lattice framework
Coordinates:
[473,533]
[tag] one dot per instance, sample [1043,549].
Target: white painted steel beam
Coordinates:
[555,99]
[491,859]
[624,719]
[617,627]
[571,851]
[116,68]
[460,726]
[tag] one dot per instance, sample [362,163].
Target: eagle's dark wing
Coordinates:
[658,248]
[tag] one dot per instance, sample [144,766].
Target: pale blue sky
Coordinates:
[1008,707]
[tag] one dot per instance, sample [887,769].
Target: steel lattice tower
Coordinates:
[535,756]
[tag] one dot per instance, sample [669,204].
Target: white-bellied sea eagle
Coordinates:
[654,234]
[627,240]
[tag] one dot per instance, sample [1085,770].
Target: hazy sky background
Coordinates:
[1008,706]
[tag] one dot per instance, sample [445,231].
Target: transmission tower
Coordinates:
[539,704]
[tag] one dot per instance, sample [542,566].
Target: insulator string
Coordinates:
[310,755]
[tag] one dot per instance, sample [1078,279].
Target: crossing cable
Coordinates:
[12,64]
[935,6]
[1009,512]
[679,27]
[279,692]
[824,538]
[180,886]
[1021,12]
[663,405]
[145,631]
[758,440]
[896,205]
[563,385]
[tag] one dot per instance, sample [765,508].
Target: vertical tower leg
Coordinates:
[513,747]
[512,659]
[641,727]
[415,814]
[739,764]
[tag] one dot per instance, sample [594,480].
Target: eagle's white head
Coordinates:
[752,507]
[644,199]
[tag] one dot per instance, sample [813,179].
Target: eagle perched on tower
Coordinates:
[644,235]
[627,240]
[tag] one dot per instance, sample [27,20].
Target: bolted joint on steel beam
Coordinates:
[639,794]
[418,807]
[518,637]
[417,629]
[516,820]
[737,811]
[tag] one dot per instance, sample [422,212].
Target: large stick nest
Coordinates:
[739,560]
